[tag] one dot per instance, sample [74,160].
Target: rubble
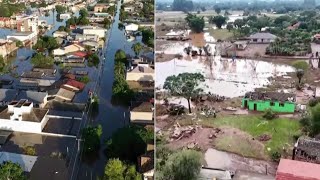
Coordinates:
[264,137]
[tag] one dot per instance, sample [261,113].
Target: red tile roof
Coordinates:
[297,170]
[80,54]
[75,84]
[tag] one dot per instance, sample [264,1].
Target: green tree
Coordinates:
[185,85]
[218,20]
[148,37]
[2,64]
[46,42]
[19,44]
[136,137]
[229,26]
[185,164]
[300,74]
[60,9]
[217,10]
[117,170]
[84,79]
[195,23]
[239,23]
[91,137]
[42,61]
[137,47]
[11,171]
[93,60]
[121,56]
[111,10]
[106,22]
[315,120]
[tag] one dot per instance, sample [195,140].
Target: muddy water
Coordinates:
[223,76]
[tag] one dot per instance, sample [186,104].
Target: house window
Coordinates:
[281,104]
[271,103]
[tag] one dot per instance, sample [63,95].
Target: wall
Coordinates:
[140,76]
[100,32]
[141,117]
[22,126]
[264,105]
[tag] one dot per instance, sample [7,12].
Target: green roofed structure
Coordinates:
[261,101]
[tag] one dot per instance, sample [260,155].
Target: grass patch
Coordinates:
[245,148]
[222,34]
[282,130]
[300,64]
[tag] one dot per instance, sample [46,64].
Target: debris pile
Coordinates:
[181,132]
[215,132]
[264,137]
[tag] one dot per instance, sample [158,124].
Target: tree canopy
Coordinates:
[185,164]
[195,23]
[185,85]
[11,171]
[148,37]
[137,47]
[117,170]
[46,43]
[136,139]
[91,136]
[218,20]
[60,9]
[42,61]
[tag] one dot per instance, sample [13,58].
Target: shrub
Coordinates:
[275,156]
[314,102]
[300,64]
[29,150]
[269,114]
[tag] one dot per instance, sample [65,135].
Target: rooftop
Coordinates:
[142,69]
[36,115]
[32,74]
[146,162]
[290,169]
[262,36]
[309,147]
[7,95]
[32,96]
[273,96]
[141,106]
[21,34]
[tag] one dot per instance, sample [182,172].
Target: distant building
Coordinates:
[100,32]
[23,117]
[60,34]
[142,72]
[100,7]
[278,102]
[7,47]
[262,38]
[297,170]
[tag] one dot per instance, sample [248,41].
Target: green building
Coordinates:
[278,102]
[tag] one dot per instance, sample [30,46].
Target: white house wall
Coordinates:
[21,126]
[140,76]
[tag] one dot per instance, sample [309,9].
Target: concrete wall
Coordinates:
[141,117]
[140,76]
[21,126]
[264,105]
[100,32]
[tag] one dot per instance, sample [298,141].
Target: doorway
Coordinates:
[254,107]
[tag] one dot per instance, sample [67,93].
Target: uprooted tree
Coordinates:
[185,85]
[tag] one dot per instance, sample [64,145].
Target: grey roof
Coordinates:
[33,96]
[270,96]
[262,36]
[7,95]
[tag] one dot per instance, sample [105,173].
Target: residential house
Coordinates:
[60,34]
[262,38]
[146,163]
[297,170]
[131,27]
[317,92]
[240,45]
[7,47]
[32,74]
[99,7]
[142,72]
[23,36]
[100,32]
[93,44]
[141,112]
[307,149]
[64,95]
[261,101]
[86,37]
[22,116]
[294,27]
[6,22]
[27,23]
[129,9]
[68,49]
[73,85]
[34,84]
[73,59]
[39,99]
[65,16]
